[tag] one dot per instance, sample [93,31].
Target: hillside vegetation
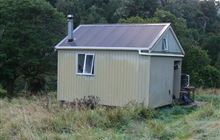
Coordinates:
[41,117]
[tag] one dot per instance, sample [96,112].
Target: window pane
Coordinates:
[93,65]
[164,44]
[81,58]
[89,59]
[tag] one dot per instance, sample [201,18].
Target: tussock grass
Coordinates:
[42,118]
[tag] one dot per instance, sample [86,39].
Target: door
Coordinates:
[176,79]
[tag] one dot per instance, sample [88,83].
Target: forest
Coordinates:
[29,30]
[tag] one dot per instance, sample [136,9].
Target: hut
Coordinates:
[120,63]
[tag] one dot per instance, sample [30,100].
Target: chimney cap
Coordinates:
[70,16]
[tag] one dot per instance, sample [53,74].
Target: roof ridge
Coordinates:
[126,24]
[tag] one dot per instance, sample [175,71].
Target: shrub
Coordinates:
[90,101]
[86,102]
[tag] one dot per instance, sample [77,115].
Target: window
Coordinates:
[85,64]
[81,58]
[164,44]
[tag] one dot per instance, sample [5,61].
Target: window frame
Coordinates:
[84,64]
[165,42]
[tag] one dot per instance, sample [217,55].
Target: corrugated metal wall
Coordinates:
[161,80]
[120,77]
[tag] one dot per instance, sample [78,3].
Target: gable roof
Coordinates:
[140,37]
[130,36]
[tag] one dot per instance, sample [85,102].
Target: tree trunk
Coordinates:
[10,87]
[204,25]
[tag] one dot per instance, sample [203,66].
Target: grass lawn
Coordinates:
[41,117]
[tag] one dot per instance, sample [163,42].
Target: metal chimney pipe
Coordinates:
[70,28]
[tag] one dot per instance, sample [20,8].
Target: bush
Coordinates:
[87,102]
[90,101]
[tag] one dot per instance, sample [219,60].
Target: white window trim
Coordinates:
[166,47]
[84,64]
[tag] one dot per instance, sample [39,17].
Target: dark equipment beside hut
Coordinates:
[187,93]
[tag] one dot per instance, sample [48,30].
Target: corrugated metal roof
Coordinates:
[116,35]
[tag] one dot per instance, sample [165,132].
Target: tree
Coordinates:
[106,11]
[212,44]
[2,92]
[209,15]
[31,30]
[52,2]
[197,64]
[133,20]
[200,16]
[185,35]
[178,24]
[69,7]
[134,8]
[210,77]
[187,9]
[217,64]
[91,11]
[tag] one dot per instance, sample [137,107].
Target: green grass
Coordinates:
[42,118]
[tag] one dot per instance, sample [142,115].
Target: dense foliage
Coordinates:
[30,28]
